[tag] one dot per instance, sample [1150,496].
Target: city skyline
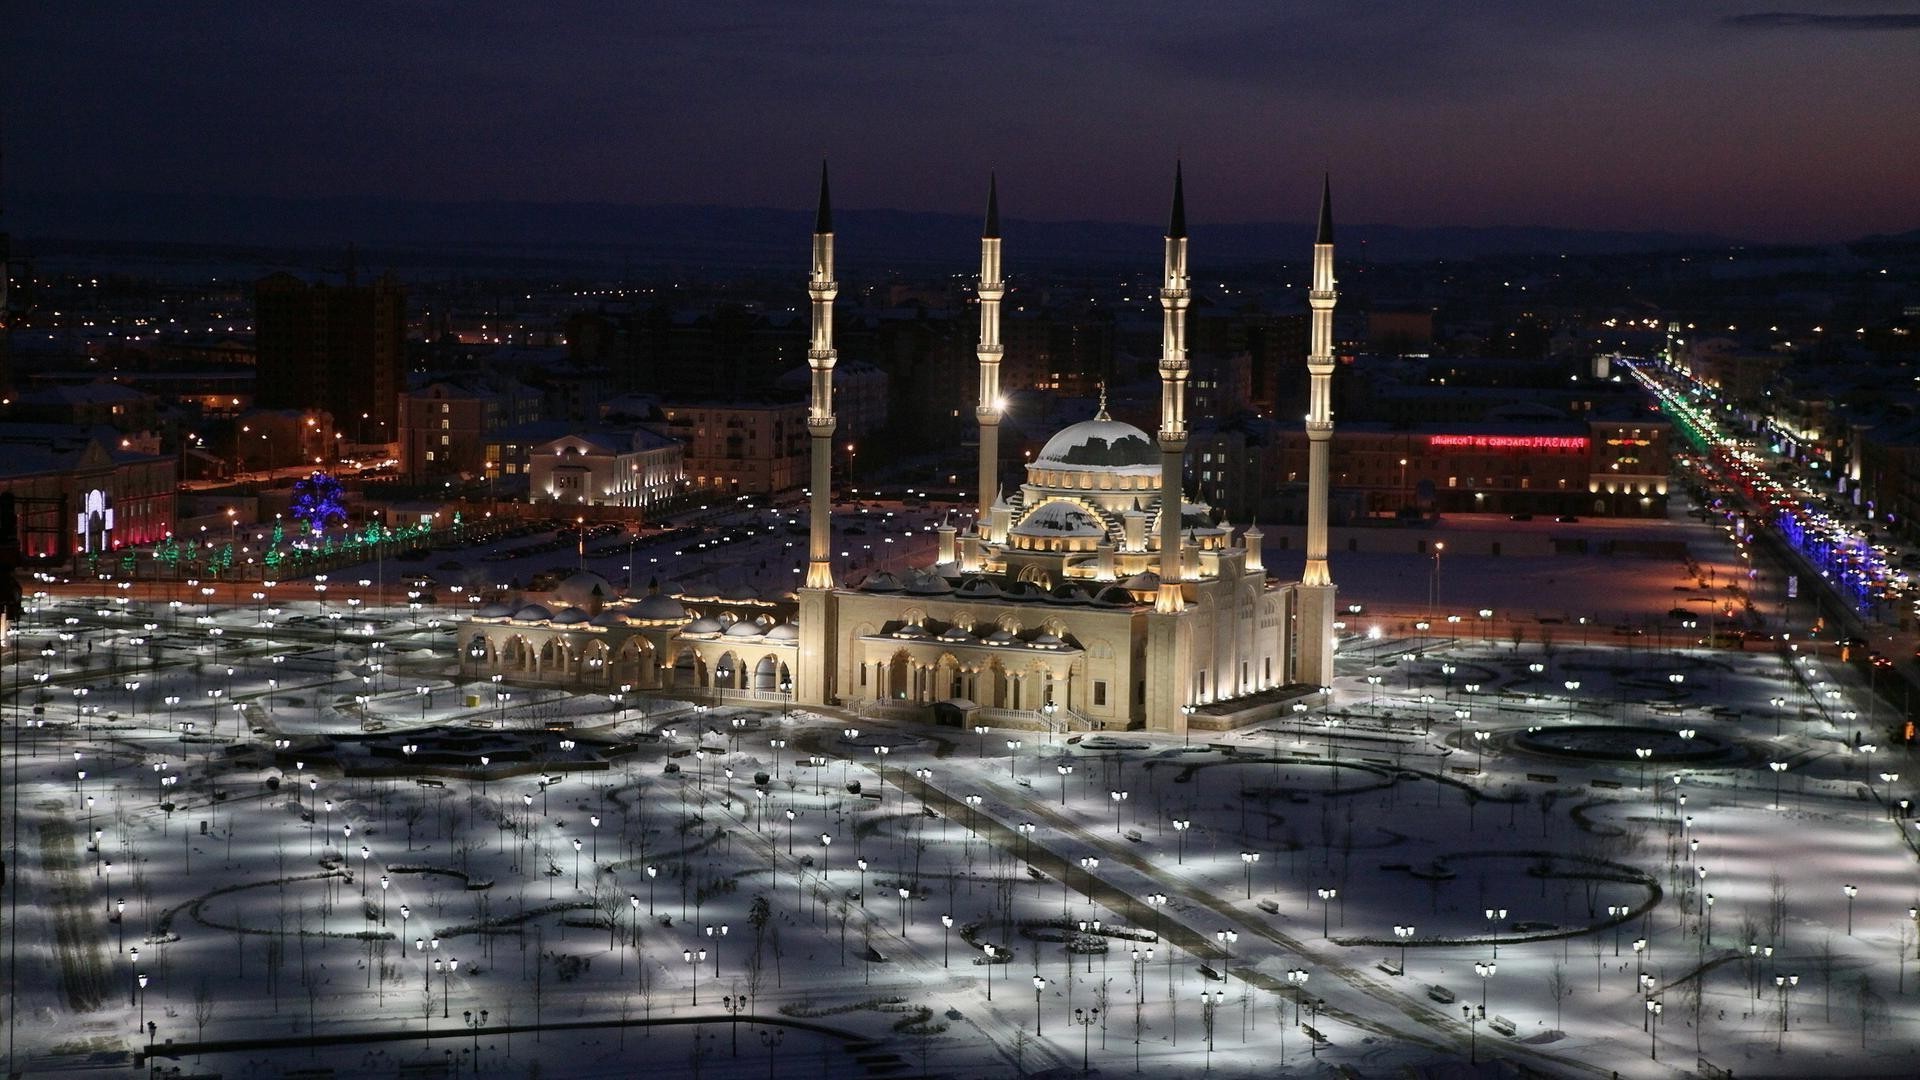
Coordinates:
[1753,124]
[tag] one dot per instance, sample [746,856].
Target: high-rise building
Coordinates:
[339,348]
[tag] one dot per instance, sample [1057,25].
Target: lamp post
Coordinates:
[981,731]
[694,958]
[1039,984]
[1297,979]
[989,950]
[1473,1032]
[1180,827]
[1778,767]
[1405,934]
[826,844]
[1089,863]
[1493,914]
[1618,913]
[1247,859]
[1025,829]
[862,864]
[904,893]
[1654,1008]
[1851,892]
[653,872]
[1485,971]
[946,932]
[1013,759]
[1326,906]
[717,934]
[771,1039]
[1064,771]
[1086,1018]
[133,985]
[474,1026]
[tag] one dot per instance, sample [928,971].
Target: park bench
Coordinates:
[1391,967]
[1314,1034]
[1268,906]
[1609,784]
[1543,778]
[1441,994]
[1504,1026]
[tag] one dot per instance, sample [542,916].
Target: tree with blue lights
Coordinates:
[319,501]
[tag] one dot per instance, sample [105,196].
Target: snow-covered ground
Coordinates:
[271,941]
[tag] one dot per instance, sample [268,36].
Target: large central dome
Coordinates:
[1100,443]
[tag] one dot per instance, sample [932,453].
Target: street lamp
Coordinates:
[1485,971]
[1247,859]
[1493,914]
[1180,827]
[1851,892]
[694,958]
[946,931]
[1039,984]
[1405,934]
[1654,1008]
[717,938]
[1326,905]
[1064,771]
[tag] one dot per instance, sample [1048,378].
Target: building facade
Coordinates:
[338,348]
[637,469]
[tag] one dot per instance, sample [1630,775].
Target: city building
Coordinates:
[635,468]
[76,491]
[338,348]
[1096,595]
[447,425]
[741,448]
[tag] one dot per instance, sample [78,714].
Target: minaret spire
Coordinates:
[1177,223]
[990,289]
[1173,397]
[1315,665]
[823,217]
[820,419]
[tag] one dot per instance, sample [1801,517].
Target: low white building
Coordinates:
[636,468]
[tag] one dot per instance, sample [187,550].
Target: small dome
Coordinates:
[1067,593]
[1144,581]
[785,631]
[1044,640]
[493,611]
[978,588]
[532,613]
[1100,443]
[744,628]
[1060,518]
[570,616]
[742,591]
[658,607]
[1114,594]
[583,588]
[1023,590]
[1002,637]
[912,630]
[703,625]
[956,635]
[928,585]
[608,618]
[884,581]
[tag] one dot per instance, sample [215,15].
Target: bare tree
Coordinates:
[1692,995]
[1777,909]
[202,1011]
[426,1013]
[1871,1006]
[1823,963]
[412,815]
[779,951]
[1558,989]
[626,1016]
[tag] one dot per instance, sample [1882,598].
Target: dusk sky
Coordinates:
[1769,123]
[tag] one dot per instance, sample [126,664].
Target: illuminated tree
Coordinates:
[319,501]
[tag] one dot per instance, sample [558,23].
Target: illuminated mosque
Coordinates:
[1096,596]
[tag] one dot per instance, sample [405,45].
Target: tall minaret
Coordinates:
[990,290]
[1316,584]
[813,676]
[820,420]
[1173,399]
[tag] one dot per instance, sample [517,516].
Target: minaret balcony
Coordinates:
[823,286]
[1175,294]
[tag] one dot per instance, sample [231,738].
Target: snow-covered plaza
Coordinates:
[257,842]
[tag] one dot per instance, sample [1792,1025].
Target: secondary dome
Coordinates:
[1099,443]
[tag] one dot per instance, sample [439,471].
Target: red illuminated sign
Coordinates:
[1507,442]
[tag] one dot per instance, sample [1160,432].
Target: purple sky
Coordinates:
[1760,122]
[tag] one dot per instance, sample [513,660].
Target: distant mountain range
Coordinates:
[739,239]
